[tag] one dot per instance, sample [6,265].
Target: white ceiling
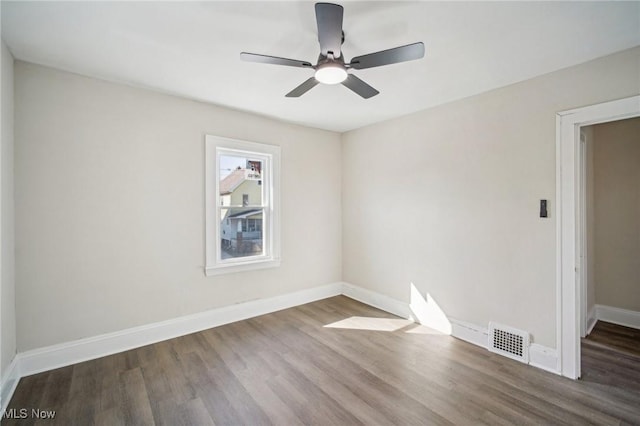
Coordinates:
[192,49]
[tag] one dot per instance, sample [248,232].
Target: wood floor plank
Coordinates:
[245,406]
[109,387]
[310,404]
[56,391]
[251,371]
[208,390]
[135,404]
[109,417]
[335,361]
[83,401]
[194,412]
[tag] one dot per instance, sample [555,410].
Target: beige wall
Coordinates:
[110,216]
[617,213]
[448,198]
[7,258]
[110,207]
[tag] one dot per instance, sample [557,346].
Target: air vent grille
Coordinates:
[508,341]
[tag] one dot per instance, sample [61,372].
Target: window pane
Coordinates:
[240,181]
[242,205]
[241,232]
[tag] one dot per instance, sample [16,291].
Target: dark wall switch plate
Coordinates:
[543,208]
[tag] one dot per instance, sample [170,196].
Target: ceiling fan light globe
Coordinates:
[331,74]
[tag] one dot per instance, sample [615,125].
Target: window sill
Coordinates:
[232,268]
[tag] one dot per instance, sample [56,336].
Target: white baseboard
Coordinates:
[544,358]
[9,382]
[592,319]
[618,316]
[51,357]
[471,333]
[377,300]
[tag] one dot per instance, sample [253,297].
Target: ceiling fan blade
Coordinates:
[390,56]
[329,18]
[360,87]
[264,59]
[303,88]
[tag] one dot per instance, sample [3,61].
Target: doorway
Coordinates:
[570,270]
[610,248]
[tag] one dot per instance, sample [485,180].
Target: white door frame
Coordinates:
[583,263]
[568,218]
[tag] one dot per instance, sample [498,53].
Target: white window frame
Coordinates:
[215,146]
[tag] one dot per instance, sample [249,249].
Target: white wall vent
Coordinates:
[509,342]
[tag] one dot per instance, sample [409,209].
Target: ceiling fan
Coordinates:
[331,67]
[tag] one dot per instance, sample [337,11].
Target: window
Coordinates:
[242,205]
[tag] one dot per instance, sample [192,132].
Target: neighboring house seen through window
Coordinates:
[242,205]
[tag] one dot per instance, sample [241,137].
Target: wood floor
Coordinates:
[624,340]
[611,358]
[335,361]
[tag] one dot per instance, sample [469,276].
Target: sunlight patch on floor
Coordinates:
[423,329]
[369,323]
